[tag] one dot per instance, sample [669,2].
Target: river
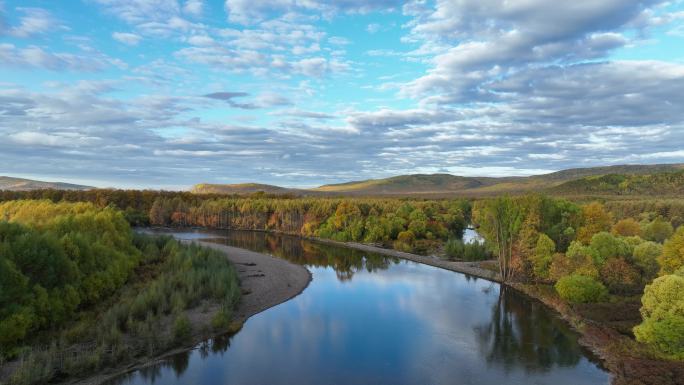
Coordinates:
[370,319]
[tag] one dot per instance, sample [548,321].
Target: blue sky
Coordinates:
[169,93]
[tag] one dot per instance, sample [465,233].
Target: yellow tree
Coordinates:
[673,253]
[595,219]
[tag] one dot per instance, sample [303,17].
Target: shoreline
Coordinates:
[468,268]
[265,281]
[269,280]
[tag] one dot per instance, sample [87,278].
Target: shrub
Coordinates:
[663,313]
[580,289]
[405,241]
[221,320]
[181,328]
[475,251]
[454,249]
[471,251]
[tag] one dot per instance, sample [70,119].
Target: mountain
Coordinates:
[571,181]
[19,184]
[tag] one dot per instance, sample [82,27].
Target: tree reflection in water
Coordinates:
[521,332]
[345,262]
[178,362]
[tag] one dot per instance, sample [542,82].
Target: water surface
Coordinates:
[370,319]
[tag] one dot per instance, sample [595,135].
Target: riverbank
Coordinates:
[628,361]
[470,268]
[265,281]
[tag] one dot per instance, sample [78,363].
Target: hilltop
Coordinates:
[20,184]
[241,188]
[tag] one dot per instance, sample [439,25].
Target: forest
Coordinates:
[624,253]
[79,290]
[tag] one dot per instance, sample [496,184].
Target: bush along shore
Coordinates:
[81,293]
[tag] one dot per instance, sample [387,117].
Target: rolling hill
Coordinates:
[19,184]
[565,182]
[662,183]
[242,189]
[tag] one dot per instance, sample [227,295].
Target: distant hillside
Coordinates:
[435,185]
[631,169]
[662,183]
[19,184]
[407,184]
[242,188]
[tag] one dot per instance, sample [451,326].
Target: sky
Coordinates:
[169,93]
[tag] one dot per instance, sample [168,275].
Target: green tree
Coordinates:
[663,313]
[579,259]
[500,223]
[543,255]
[658,230]
[608,246]
[646,258]
[580,289]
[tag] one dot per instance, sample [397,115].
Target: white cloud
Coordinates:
[251,12]
[32,138]
[201,40]
[34,21]
[36,57]
[478,41]
[139,11]
[194,7]
[126,38]
[373,28]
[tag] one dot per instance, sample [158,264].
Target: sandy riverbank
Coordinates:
[265,281]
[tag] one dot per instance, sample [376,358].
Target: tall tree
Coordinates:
[501,223]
